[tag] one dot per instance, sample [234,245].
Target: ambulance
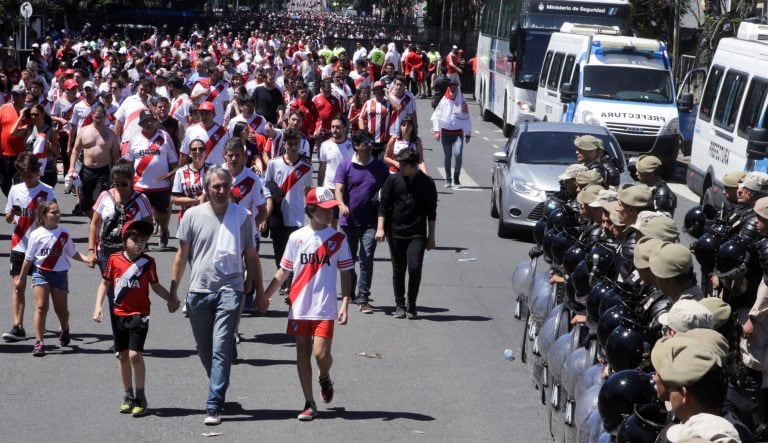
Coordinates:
[592,74]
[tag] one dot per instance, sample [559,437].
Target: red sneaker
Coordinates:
[309,413]
[326,389]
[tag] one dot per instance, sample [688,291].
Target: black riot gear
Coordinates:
[596,294]
[627,345]
[732,258]
[664,199]
[619,395]
[579,278]
[698,218]
[601,260]
[705,250]
[627,255]
[560,244]
[575,254]
[643,426]
[538,231]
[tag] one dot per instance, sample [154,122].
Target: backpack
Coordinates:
[111,232]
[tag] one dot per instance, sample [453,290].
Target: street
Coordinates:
[441,377]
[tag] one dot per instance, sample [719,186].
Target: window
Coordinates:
[750,116]
[710,91]
[567,68]
[729,99]
[545,69]
[554,71]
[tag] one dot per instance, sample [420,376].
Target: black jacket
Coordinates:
[407,204]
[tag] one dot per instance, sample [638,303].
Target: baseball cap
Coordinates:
[643,251]
[18,89]
[588,142]
[70,83]
[733,178]
[589,194]
[721,311]
[379,84]
[589,177]
[761,207]
[671,260]
[604,197]
[143,227]
[647,163]
[636,195]
[571,171]
[755,181]
[89,84]
[323,197]
[681,362]
[685,315]
[206,106]
[146,115]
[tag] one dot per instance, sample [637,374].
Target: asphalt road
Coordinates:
[442,377]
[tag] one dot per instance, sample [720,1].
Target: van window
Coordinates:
[729,99]
[567,68]
[545,69]
[710,92]
[554,71]
[753,104]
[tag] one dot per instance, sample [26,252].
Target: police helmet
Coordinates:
[643,426]
[596,294]
[538,231]
[575,254]
[705,249]
[601,259]
[561,243]
[620,393]
[609,321]
[732,258]
[579,278]
[546,245]
[563,218]
[627,345]
[695,221]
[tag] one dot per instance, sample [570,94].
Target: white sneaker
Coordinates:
[212,418]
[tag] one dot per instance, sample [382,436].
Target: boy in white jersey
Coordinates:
[314,253]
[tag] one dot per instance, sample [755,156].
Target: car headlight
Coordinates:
[671,127]
[589,118]
[525,188]
[525,106]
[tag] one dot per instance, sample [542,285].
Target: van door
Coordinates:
[541,92]
[551,96]
[693,84]
[753,115]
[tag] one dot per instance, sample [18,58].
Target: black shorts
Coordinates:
[92,182]
[130,332]
[17,259]
[160,200]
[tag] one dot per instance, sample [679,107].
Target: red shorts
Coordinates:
[315,328]
[421,76]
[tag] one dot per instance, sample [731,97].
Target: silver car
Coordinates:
[526,171]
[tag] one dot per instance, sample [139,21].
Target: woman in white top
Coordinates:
[407,138]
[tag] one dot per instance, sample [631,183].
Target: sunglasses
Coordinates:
[197,149]
[34,114]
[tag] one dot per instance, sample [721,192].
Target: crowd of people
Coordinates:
[629,341]
[223,127]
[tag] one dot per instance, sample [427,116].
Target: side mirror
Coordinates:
[685,104]
[568,93]
[500,157]
[757,143]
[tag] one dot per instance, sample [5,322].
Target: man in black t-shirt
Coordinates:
[269,100]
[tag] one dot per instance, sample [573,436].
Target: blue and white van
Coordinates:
[594,75]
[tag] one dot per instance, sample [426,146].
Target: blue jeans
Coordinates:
[358,236]
[453,146]
[212,317]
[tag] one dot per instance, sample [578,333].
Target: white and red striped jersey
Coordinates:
[63,108]
[248,191]
[216,94]
[408,104]
[188,182]
[128,115]
[333,154]
[215,139]
[276,149]
[151,159]
[362,80]
[28,200]
[315,257]
[40,149]
[180,108]
[375,116]
[50,249]
[82,114]
[138,206]
[342,94]
[292,179]
[256,123]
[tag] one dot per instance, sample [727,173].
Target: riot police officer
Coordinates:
[591,152]
[731,182]
[633,199]
[664,200]
[672,268]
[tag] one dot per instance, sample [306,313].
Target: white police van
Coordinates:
[729,131]
[592,74]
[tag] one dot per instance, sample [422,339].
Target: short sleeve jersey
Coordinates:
[215,139]
[130,282]
[292,179]
[316,286]
[151,159]
[81,114]
[128,115]
[333,154]
[138,208]
[28,200]
[50,249]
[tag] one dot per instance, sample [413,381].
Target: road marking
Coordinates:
[498,148]
[683,191]
[486,138]
[467,183]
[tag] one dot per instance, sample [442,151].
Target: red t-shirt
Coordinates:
[130,281]
[12,146]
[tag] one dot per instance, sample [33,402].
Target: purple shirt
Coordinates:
[361,187]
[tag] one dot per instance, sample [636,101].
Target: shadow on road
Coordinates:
[170,353]
[453,318]
[264,362]
[235,412]
[341,412]
[455,249]
[272,339]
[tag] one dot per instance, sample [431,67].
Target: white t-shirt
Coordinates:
[151,159]
[409,107]
[292,179]
[316,299]
[215,153]
[50,249]
[139,207]
[256,123]
[28,199]
[222,96]
[81,114]
[333,154]
[248,191]
[180,109]
[128,115]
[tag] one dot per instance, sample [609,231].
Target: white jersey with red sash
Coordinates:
[256,123]
[180,108]
[362,80]
[292,179]
[248,191]
[28,200]
[215,139]
[39,149]
[151,159]
[275,147]
[128,115]
[375,116]
[82,114]
[217,95]
[130,282]
[62,108]
[188,182]
[408,107]
[315,257]
[50,249]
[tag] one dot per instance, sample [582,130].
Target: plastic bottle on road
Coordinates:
[509,355]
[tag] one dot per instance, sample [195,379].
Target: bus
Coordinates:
[513,38]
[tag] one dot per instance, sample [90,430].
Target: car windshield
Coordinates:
[554,148]
[628,84]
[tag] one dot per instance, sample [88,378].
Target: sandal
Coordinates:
[365,308]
